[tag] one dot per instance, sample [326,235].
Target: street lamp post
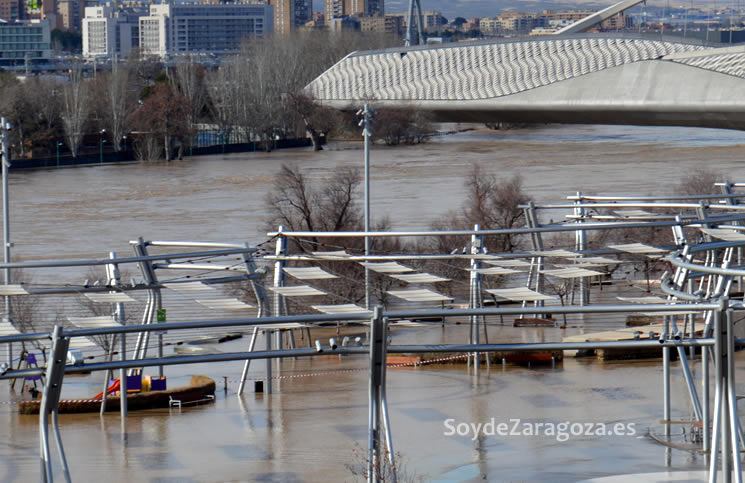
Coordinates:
[103,131]
[366,114]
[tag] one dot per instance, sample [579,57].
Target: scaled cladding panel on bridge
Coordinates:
[731,64]
[480,71]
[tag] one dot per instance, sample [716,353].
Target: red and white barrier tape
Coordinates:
[361,369]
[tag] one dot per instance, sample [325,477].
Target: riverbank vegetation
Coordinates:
[160,109]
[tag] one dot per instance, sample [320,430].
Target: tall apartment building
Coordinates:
[347,8]
[289,14]
[390,24]
[202,28]
[11,10]
[71,13]
[110,31]
[25,41]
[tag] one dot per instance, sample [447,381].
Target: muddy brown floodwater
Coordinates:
[314,428]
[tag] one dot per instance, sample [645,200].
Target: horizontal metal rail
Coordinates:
[691,206]
[157,243]
[505,231]
[652,198]
[119,261]
[677,260]
[394,349]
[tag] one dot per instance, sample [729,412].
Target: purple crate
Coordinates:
[158,384]
[134,383]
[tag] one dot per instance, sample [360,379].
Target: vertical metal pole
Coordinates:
[384,406]
[692,323]
[50,401]
[4,126]
[123,380]
[244,374]
[666,377]
[367,133]
[268,388]
[717,424]
[60,448]
[377,361]
[279,281]
[706,421]
[734,422]
[581,244]
[473,303]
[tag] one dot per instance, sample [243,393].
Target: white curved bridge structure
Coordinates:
[603,79]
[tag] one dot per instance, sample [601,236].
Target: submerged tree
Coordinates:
[164,114]
[74,108]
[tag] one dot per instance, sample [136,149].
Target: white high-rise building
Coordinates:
[108,31]
[202,28]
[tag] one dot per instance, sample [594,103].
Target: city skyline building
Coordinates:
[193,28]
[290,14]
[335,9]
[110,31]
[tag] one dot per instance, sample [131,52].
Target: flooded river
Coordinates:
[314,428]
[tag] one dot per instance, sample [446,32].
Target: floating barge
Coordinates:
[200,391]
[628,333]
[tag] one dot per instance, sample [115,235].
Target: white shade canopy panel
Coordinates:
[297,291]
[597,261]
[638,249]
[520,294]
[6,328]
[555,253]
[224,304]
[97,322]
[387,267]
[12,290]
[419,278]
[189,287]
[508,262]
[724,234]
[420,295]
[112,297]
[644,300]
[342,309]
[571,272]
[331,255]
[309,273]
[633,213]
[495,271]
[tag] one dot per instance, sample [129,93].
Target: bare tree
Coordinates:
[493,204]
[74,108]
[116,101]
[189,79]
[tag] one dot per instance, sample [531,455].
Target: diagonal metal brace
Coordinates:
[50,403]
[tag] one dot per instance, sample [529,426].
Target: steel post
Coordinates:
[734,421]
[49,402]
[268,342]
[377,368]
[717,424]
[244,374]
[706,420]
[367,133]
[4,127]
[666,377]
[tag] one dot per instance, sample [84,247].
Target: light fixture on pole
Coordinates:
[58,145]
[103,131]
